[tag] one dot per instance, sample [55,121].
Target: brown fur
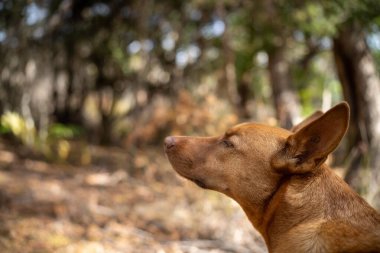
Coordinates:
[280,179]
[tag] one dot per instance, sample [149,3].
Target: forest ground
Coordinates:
[123,201]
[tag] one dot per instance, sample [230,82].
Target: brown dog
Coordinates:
[280,179]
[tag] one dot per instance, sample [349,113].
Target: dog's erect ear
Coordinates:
[309,146]
[306,121]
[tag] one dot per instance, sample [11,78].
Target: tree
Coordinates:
[285,98]
[361,85]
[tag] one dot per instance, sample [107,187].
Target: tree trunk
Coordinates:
[285,99]
[230,86]
[361,88]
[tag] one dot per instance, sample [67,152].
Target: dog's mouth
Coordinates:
[181,166]
[199,183]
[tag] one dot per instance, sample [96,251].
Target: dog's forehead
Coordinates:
[256,128]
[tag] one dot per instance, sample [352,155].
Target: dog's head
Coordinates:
[248,161]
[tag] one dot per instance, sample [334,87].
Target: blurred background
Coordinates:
[89,89]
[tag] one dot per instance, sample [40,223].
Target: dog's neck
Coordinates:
[290,192]
[290,203]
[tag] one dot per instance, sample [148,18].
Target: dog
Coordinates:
[280,179]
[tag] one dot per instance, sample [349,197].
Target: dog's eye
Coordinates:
[228,144]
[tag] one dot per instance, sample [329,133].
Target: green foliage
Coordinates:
[61,131]
[53,146]
[317,83]
[4,129]
[19,127]
[315,20]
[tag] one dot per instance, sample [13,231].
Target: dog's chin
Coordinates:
[197,181]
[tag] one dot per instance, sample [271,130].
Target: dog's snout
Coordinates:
[169,142]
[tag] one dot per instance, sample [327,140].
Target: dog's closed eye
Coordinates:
[227,143]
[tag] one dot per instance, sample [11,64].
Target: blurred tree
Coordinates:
[360,81]
[228,75]
[285,98]
[284,95]
[105,65]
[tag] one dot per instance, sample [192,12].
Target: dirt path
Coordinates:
[119,203]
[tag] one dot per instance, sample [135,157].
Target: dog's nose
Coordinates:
[169,142]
